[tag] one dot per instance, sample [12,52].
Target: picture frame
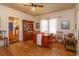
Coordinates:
[65,24]
[37,25]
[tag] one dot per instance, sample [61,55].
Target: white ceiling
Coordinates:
[48,7]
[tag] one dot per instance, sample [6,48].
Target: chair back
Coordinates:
[60,34]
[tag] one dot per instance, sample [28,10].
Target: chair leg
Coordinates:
[57,40]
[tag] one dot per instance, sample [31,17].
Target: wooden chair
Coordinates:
[52,38]
[60,36]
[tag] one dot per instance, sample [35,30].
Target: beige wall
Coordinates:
[69,14]
[77,12]
[5,12]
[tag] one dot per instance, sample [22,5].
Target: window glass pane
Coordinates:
[52,26]
[44,26]
[48,26]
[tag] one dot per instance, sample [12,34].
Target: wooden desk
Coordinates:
[45,40]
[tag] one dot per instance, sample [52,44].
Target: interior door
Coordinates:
[10,31]
[13,30]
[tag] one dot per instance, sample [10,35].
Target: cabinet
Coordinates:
[27,30]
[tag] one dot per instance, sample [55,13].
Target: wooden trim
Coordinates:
[28,21]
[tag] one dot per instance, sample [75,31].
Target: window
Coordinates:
[52,26]
[49,26]
[44,26]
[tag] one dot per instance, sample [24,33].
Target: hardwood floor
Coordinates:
[27,48]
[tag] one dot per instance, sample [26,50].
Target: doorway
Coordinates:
[13,29]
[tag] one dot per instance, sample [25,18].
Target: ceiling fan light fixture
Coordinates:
[33,8]
[34,5]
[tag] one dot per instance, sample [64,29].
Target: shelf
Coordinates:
[3,38]
[70,47]
[27,29]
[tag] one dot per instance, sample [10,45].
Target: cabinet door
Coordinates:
[45,41]
[35,38]
[27,36]
[39,39]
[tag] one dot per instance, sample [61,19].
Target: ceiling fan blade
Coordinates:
[39,6]
[32,4]
[28,4]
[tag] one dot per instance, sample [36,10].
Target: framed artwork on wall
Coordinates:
[37,25]
[65,24]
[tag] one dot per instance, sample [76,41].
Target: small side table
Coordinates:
[5,41]
[3,37]
[70,44]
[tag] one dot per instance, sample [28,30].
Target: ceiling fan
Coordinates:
[33,5]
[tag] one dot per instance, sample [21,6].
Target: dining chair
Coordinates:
[60,36]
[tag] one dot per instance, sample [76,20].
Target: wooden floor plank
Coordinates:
[27,48]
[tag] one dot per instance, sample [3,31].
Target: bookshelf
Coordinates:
[27,30]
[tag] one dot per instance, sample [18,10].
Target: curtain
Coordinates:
[52,26]
[44,26]
[48,26]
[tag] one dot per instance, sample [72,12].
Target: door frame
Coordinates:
[13,27]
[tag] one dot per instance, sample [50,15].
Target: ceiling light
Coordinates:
[33,8]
